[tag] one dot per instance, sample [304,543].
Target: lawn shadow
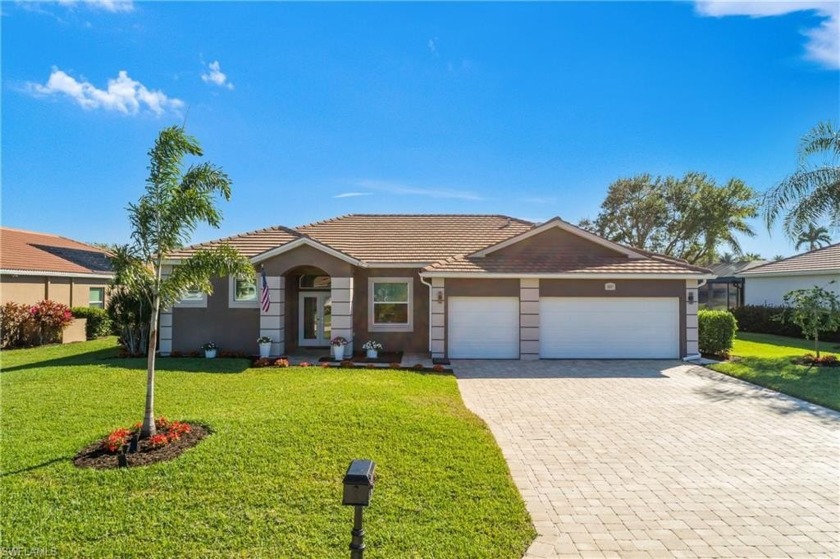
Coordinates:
[725,389]
[98,357]
[36,466]
[563,368]
[109,358]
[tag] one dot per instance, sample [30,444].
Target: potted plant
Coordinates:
[210,350]
[338,344]
[373,348]
[265,346]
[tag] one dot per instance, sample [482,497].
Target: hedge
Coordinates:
[762,319]
[98,324]
[716,331]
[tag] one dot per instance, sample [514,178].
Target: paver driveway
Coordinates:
[660,459]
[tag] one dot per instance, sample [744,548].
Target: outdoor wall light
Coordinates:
[440,296]
[358,487]
[690,297]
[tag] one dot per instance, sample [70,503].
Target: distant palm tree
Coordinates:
[815,237]
[749,257]
[812,193]
[778,257]
[727,258]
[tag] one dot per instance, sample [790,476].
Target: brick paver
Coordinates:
[661,459]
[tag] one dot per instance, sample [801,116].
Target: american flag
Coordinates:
[265,301]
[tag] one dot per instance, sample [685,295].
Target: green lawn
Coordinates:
[267,483]
[765,360]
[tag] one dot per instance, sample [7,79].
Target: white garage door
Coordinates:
[605,328]
[483,327]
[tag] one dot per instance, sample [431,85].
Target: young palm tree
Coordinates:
[815,237]
[812,193]
[749,257]
[176,201]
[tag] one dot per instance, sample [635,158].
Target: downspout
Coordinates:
[429,285]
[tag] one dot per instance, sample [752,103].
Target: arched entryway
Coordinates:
[309,307]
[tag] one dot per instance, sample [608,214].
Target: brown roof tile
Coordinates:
[826,259]
[443,240]
[248,244]
[557,263]
[41,252]
[412,238]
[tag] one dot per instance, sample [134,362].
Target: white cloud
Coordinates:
[123,94]
[107,5]
[432,44]
[216,76]
[823,44]
[397,188]
[353,194]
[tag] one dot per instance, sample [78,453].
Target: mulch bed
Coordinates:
[94,456]
[384,358]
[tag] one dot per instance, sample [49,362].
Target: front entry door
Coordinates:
[314,319]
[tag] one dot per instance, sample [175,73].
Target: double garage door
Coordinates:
[569,328]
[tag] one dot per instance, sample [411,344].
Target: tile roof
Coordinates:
[563,263]
[443,240]
[826,259]
[28,251]
[413,238]
[248,244]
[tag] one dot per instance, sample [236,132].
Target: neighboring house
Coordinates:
[455,286]
[726,291]
[37,266]
[767,284]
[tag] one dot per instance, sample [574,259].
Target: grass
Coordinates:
[765,360]
[267,483]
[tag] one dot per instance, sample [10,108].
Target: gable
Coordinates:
[306,255]
[554,241]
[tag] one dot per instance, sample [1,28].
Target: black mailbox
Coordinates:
[358,483]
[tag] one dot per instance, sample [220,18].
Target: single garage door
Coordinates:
[609,328]
[483,327]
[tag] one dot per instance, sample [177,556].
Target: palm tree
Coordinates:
[726,258]
[176,201]
[749,257]
[815,237]
[812,193]
[778,257]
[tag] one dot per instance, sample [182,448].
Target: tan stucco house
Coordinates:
[453,286]
[37,266]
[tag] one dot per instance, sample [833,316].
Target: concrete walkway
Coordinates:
[661,459]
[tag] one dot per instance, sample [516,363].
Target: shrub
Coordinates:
[52,318]
[19,328]
[130,314]
[716,332]
[98,324]
[762,319]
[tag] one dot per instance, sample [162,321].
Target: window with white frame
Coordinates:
[243,292]
[193,298]
[390,304]
[96,297]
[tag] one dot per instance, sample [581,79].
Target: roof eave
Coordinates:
[567,275]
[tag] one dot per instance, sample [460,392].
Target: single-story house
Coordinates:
[767,284]
[726,291]
[37,266]
[453,286]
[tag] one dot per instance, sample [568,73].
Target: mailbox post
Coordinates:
[358,487]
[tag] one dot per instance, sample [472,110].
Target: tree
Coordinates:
[175,202]
[778,257]
[687,218]
[726,258]
[815,237]
[749,257]
[812,193]
[814,310]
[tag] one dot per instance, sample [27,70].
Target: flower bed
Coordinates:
[172,438]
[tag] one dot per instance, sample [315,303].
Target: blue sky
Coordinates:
[317,110]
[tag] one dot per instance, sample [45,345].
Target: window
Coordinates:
[389,306]
[193,298]
[310,281]
[243,292]
[96,298]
